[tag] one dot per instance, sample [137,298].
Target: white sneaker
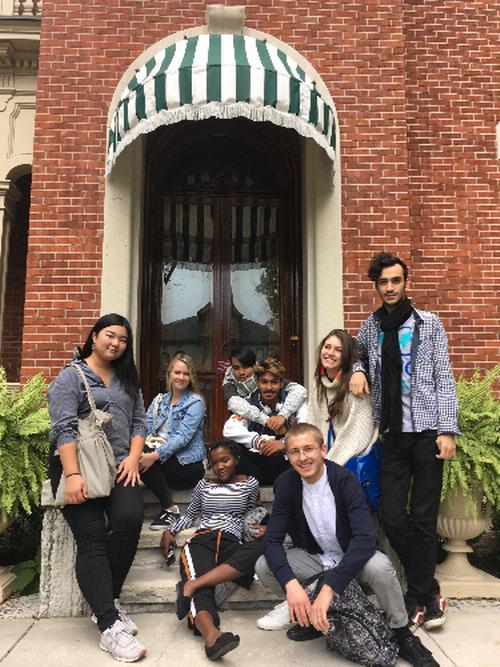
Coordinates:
[129,624]
[121,644]
[277,619]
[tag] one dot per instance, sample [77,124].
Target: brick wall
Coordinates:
[413,84]
[453,101]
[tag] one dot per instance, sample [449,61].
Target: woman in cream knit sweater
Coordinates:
[345,421]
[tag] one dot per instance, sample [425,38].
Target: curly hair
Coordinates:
[270,365]
[384,260]
[231,445]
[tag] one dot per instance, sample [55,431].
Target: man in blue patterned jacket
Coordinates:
[404,356]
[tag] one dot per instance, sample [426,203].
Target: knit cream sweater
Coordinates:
[354,429]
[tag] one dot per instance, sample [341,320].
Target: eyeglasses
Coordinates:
[307,451]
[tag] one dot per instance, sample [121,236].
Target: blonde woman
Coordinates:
[176,418]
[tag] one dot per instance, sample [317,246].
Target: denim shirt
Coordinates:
[185,427]
[432,389]
[68,402]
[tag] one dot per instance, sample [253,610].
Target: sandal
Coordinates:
[182,602]
[223,644]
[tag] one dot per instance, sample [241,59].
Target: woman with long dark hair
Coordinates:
[106,530]
[345,421]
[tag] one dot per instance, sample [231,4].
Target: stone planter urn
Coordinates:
[456,523]
[6,576]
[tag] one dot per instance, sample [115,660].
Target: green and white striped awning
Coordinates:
[221,76]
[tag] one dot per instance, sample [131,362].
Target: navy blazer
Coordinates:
[355,531]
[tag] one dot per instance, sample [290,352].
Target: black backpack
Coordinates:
[357,630]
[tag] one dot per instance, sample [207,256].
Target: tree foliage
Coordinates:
[24,445]
[478,445]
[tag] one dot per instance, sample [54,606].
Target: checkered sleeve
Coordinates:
[447,407]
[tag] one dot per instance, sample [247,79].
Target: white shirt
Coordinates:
[320,510]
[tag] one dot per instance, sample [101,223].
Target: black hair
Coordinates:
[245,355]
[383,260]
[124,366]
[231,445]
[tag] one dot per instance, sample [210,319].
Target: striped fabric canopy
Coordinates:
[221,76]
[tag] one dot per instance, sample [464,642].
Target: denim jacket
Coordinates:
[185,427]
[432,389]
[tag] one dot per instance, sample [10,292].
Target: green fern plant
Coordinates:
[478,446]
[24,445]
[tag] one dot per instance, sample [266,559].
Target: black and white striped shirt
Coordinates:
[220,506]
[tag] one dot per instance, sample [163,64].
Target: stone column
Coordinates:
[60,594]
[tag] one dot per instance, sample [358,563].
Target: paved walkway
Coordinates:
[470,638]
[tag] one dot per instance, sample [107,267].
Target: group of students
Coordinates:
[320,524]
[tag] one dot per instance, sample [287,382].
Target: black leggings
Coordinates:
[106,532]
[161,477]
[207,549]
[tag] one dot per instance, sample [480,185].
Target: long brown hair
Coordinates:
[349,356]
[193,378]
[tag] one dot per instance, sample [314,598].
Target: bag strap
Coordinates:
[86,385]
[156,406]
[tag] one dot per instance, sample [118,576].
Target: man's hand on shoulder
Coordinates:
[270,447]
[299,605]
[358,385]
[447,446]
[320,608]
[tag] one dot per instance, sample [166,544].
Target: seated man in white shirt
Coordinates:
[321,506]
[263,450]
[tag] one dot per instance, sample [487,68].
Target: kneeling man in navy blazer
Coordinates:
[321,506]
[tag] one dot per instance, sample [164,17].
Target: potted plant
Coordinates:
[24,445]
[471,485]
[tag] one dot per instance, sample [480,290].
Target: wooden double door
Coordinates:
[222,262]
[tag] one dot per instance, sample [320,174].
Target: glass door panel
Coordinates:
[187,292]
[254,278]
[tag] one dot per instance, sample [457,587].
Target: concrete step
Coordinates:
[153,589]
[150,585]
[182,498]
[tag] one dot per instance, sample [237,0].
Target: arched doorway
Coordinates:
[221,250]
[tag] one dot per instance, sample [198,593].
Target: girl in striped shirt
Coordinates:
[215,553]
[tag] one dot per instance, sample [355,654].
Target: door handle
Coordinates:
[294,340]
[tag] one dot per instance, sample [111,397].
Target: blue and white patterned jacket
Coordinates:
[184,427]
[432,389]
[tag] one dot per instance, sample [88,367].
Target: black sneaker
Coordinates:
[299,633]
[435,611]
[416,613]
[413,651]
[164,521]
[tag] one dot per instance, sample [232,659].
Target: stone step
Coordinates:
[184,497]
[153,589]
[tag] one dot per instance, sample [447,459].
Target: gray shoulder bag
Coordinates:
[95,455]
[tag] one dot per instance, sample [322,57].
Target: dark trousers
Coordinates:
[207,549]
[106,532]
[162,477]
[409,459]
[265,469]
